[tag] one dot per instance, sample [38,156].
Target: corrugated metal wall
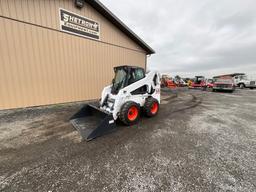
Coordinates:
[40,66]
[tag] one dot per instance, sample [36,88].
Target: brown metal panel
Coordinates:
[35,63]
[27,52]
[26,14]
[53,14]
[56,58]
[4,78]
[31,11]
[1,7]
[16,64]
[37,14]
[8,40]
[40,66]
[5,10]
[46,13]
[20,14]
[4,62]
[19,44]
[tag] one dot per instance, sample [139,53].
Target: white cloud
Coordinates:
[194,37]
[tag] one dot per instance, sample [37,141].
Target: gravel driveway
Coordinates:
[200,141]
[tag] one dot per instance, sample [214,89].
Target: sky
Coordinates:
[194,37]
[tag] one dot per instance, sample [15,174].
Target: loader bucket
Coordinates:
[92,122]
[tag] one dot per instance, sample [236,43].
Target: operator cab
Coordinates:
[199,79]
[125,76]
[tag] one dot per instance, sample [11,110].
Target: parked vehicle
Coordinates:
[209,83]
[223,85]
[190,82]
[243,81]
[131,92]
[180,82]
[199,82]
[166,81]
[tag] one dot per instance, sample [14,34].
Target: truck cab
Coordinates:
[243,81]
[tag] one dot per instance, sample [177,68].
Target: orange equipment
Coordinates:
[167,82]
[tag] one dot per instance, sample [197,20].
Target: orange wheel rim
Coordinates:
[154,108]
[133,113]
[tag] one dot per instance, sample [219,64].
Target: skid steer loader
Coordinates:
[131,92]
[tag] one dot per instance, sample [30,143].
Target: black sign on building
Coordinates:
[79,25]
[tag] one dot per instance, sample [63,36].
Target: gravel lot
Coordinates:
[200,141]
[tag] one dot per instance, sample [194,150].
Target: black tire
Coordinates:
[242,86]
[125,112]
[148,106]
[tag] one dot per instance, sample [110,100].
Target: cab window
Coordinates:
[136,75]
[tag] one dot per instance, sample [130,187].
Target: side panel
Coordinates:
[46,13]
[40,66]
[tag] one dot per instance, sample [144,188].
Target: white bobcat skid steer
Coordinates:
[131,91]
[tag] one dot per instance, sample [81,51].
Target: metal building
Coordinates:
[58,51]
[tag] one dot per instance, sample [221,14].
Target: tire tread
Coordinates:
[124,111]
[147,106]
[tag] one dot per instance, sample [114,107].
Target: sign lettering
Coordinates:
[79,25]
